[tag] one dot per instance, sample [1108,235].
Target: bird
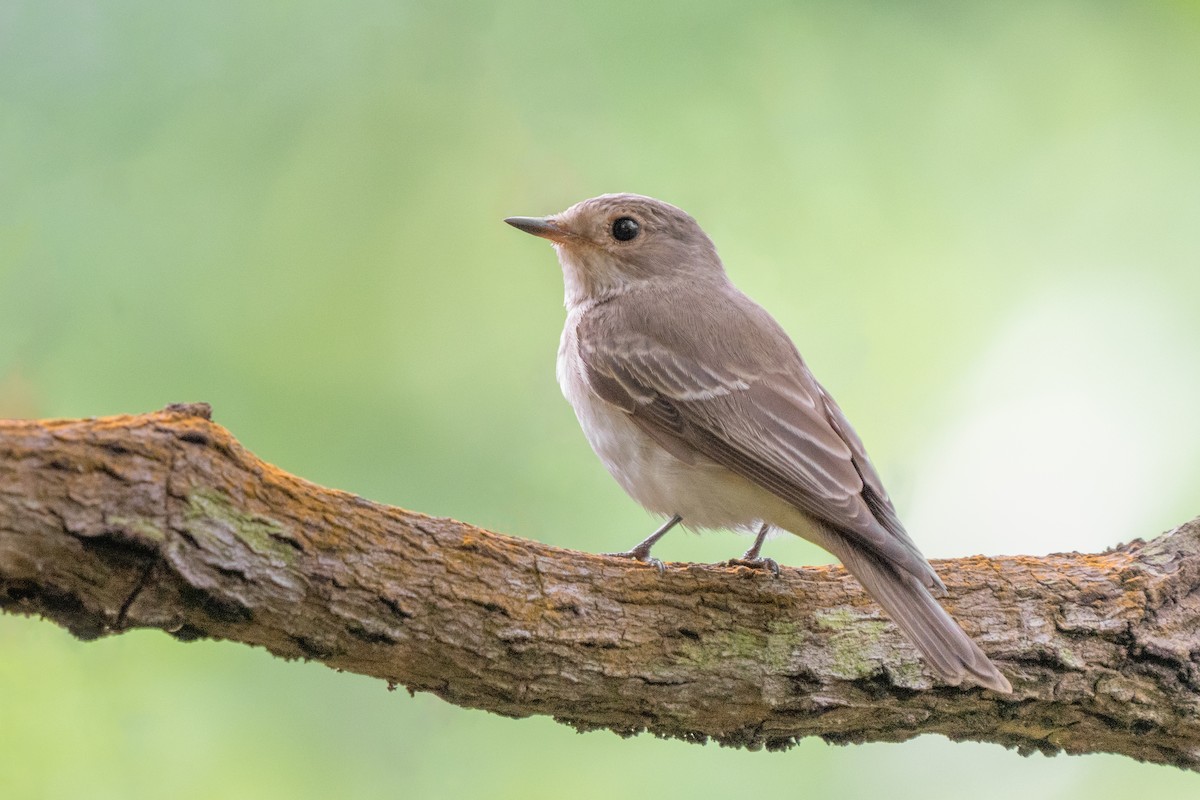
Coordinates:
[700,406]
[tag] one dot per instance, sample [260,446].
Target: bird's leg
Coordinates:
[751,557]
[641,552]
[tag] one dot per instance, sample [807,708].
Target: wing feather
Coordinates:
[745,399]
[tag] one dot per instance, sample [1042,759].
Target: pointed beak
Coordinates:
[545,227]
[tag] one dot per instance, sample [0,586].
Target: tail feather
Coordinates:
[946,647]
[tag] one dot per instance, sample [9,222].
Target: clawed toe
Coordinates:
[641,552]
[642,556]
[755,563]
[751,557]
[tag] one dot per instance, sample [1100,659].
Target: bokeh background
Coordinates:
[979,222]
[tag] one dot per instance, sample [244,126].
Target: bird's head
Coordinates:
[615,242]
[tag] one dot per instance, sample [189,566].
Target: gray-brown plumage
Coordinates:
[703,410]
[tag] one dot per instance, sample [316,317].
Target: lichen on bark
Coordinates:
[163,520]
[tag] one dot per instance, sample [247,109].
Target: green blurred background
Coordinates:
[980,224]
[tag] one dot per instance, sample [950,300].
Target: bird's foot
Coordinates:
[756,562]
[641,554]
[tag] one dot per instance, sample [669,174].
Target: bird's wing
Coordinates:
[875,496]
[738,393]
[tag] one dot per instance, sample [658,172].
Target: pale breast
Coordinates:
[704,493]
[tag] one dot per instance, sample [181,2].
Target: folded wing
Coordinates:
[740,395]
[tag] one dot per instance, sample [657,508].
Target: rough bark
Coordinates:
[164,521]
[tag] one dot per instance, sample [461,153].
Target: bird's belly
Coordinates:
[704,494]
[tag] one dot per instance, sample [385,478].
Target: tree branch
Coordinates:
[164,521]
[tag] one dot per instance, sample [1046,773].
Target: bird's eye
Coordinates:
[625,228]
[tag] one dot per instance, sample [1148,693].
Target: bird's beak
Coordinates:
[545,227]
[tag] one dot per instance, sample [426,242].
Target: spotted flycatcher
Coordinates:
[701,407]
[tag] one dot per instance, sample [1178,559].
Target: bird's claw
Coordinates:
[762,562]
[643,556]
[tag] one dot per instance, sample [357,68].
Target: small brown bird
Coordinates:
[703,410]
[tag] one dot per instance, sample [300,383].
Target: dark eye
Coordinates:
[625,228]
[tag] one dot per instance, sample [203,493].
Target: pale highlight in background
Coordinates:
[1076,428]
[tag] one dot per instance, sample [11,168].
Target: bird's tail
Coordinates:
[946,646]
